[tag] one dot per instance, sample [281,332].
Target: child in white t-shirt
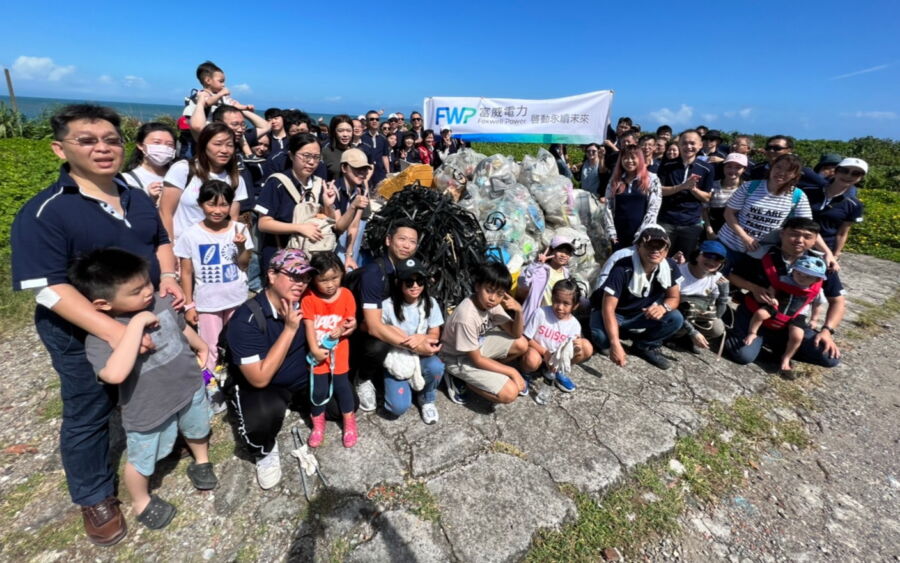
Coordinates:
[550,331]
[214,257]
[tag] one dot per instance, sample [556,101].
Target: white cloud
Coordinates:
[858,72]
[667,116]
[40,68]
[333,98]
[106,79]
[132,81]
[709,117]
[871,114]
[242,88]
[745,112]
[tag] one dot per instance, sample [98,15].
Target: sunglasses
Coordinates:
[416,119]
[295,278]
[711,256]
[414,281]
[374,119]
[776,148]
[855,172]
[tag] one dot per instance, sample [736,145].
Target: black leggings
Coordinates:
[260,412]
[343,393]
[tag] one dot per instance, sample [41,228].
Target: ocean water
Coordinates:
[33,107]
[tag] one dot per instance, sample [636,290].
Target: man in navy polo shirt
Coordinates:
[639,300]
[797,237]
[87,208]
[372,342]
[268,356]
[686,185]
[777,146]
[378,147]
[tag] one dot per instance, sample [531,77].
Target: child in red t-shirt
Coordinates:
[329,316]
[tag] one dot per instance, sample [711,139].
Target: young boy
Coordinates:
[212,80]
[798,300]
[481,338]
[161,392]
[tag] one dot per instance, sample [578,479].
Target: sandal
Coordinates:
[158,513]
[788,374]
[202,476]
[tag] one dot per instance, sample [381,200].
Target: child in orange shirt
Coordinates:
[329,317]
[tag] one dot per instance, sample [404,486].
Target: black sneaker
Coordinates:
[456,390]
[653,356]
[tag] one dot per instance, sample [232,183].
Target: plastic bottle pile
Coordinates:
[522,206]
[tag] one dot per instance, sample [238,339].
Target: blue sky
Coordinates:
[823,69]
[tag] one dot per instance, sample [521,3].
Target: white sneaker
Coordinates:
[366,393]
[429,413]
[268,469]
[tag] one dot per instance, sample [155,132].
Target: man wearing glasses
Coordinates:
[378,147]
[89,206]
[777,146]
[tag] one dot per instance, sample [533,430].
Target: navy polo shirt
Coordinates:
[249,345]
[276,144]
[683,208]
[372,284]
[616,285]
[830,214]
[751,270]
[60,223]
[378,147]
[808,178]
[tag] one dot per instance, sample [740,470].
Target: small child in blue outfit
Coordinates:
[160,392]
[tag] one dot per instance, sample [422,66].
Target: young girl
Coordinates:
[534,288]
[550,328]
[732,177]
[214,256]
[329,317]
[417,316]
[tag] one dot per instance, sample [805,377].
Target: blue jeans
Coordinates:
[654,333]
[775,339]
[87,406]
[398,394]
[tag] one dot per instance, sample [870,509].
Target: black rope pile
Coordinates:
[451,241]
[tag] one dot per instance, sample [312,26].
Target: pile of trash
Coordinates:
[522,206]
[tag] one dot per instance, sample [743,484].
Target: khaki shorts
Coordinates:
[496,346]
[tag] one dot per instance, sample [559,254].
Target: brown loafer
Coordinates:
[104,522]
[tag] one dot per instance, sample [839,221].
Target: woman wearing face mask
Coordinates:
[153,152]
[340,138]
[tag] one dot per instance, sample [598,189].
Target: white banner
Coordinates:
[577,119]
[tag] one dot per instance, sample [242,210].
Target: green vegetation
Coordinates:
[412,495]
[650,501]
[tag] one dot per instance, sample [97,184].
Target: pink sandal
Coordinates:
[317,436]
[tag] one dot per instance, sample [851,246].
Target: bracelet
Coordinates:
[172,275]
[828,328]
[189,306]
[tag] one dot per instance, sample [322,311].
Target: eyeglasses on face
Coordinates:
[295,278]
[419,281]
[855,172]
[776,148]
[416,119]
[308,157]
[93,141]
[711,256]
[374,119]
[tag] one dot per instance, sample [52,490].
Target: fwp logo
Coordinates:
[454,115]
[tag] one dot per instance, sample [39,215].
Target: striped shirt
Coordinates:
[760,213]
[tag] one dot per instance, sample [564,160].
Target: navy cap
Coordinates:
[714,247]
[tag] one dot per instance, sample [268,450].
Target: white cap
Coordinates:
[737,158]
[854,163]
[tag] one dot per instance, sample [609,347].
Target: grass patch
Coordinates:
[872,317]
[649,503]
[52,408]
[413,496]
[52,537]
[877,235]
[20,496]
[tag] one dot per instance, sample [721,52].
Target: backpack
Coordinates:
[352,281]
[225,368]
[795,196]
[308,212]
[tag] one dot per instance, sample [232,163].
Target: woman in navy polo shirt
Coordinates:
[834,207]
[632,198]
[340,136]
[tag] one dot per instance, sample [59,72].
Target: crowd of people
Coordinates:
[142,273]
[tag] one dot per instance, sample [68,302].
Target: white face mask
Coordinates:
[159,155]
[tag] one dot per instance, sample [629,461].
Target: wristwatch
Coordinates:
[828,328]
[666,307]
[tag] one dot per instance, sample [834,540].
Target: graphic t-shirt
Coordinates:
[549,331]
[759,212]
[325,317]
[218,282]
[188,211]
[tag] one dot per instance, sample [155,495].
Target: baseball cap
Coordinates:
[291,261]
[355,158]
[854,163]
[560,240]
[410,268]
[713,134]
[714,247]
[829,159]
[810,265]
[737,158]
[653,232]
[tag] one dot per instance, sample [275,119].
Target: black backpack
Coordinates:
[352,281]
[225,367]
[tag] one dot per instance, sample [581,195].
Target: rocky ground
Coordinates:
[478,485]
